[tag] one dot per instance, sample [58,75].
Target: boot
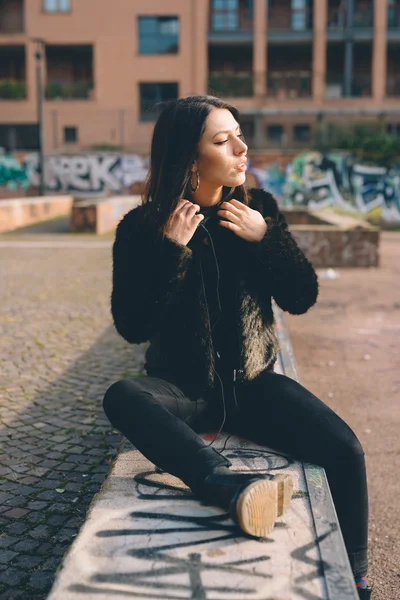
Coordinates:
[253,501]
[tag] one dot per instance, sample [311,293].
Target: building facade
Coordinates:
[290,66]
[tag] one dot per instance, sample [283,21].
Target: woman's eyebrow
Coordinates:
[226,131]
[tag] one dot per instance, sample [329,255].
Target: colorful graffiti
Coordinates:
[80,175]
[316,180]
[312,179]
[13,174]
[271,176]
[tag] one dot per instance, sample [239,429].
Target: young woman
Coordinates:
[195,268]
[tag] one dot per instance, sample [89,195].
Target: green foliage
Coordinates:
[370,144]
[231,85]
[77,90]
[12,90]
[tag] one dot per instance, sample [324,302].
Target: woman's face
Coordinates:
[222,152]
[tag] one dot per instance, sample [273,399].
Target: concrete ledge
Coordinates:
[329,239]
[21,212]
[102,215]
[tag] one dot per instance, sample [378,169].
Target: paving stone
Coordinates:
[37,505]
[40,532]
[12,576]
[14,594]
[27,561]
[34,517]
[51,563]
[6,556]
[7,540]
[41,579]
[17,528]
[26,545]
[15,513]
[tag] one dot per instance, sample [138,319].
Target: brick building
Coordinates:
[290,66]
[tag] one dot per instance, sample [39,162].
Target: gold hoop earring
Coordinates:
[197,182]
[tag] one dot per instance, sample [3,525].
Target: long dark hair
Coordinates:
[174,147]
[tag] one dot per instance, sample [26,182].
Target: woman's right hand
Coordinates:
[183,222]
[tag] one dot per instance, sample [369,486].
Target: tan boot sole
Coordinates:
[261,502]
[285,492]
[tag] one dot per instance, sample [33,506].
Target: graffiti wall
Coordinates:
[80,175]
[316,180]
[311,179]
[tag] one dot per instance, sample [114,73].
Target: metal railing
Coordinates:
[287,85]
[363,17]
[337,18]
[290,19]
[63,90]
[360,86]
[231,20]
[10,89]
[237,84]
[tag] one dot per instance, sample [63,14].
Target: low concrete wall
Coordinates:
[337,241]
[21,212]
[327,239]
[102,215]
[327,246]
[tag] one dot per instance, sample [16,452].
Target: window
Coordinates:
[247,128]
[301,133]
[158,35]
[225,15]
[15,136]
[393,129]
[70,135]
[275,133]
[56,5]
[152,94]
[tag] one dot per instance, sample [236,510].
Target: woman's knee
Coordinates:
[118,394]
[349,447]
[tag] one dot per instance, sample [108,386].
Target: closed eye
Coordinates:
[224,142]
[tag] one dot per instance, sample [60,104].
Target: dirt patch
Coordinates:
[347,349]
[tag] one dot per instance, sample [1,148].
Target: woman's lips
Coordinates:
[242,167]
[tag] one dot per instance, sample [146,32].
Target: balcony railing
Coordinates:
[363,18]
[237,85]
[285,19]
[12,90]
[62,90]
[287,85]
[231,20]
[338,18]
[393,85]
[360,86]
[394,17]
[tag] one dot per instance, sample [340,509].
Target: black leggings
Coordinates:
[272,410]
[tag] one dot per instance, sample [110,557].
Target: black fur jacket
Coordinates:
[158,294]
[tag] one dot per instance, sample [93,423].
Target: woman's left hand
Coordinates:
[245,222]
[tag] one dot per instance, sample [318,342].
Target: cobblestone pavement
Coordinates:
[59,353]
